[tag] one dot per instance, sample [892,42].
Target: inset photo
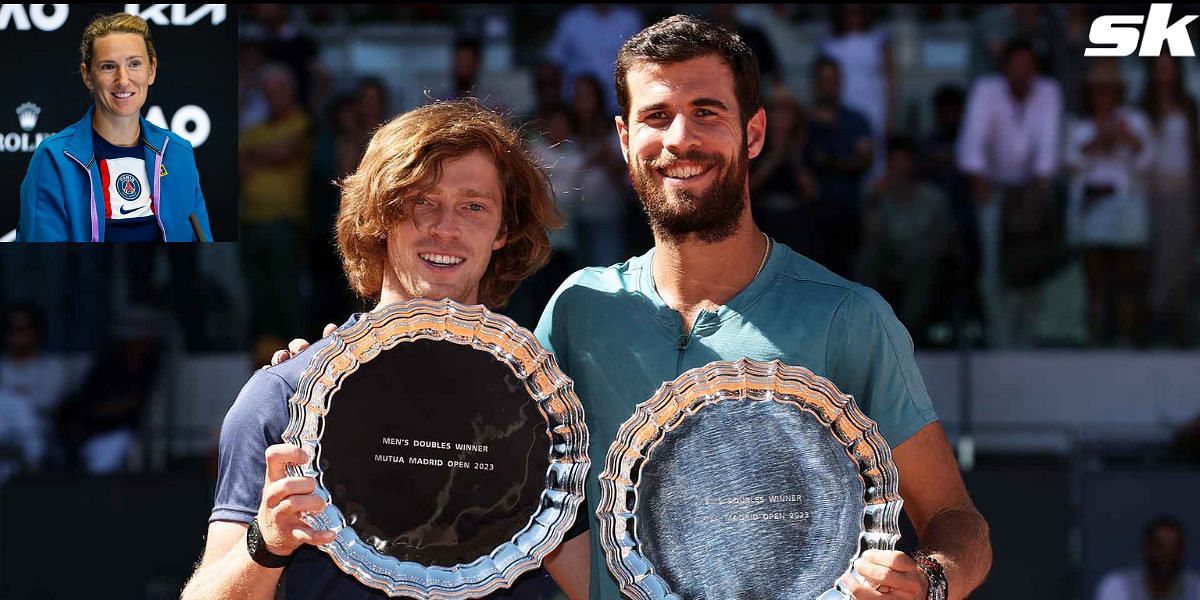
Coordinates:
[123,123]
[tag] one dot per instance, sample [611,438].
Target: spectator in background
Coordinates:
[547,91]
[252,105]
[909,234]
[586,41]
[937,166]
[1162,575]
[558,150]
[98,425]
[374,107]
[274,161]
[282,41]
[840,151]
[464,75]
[600,214]
[466,66]
[1071,35]
[994,26]
[336,154]
[781,185]
[864,54]
[31,388]
[1108,152]
[725,15]
[1009,146]
[1172,190]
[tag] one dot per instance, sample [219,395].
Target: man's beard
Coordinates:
[712,216]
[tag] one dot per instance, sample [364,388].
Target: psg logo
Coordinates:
[128,186]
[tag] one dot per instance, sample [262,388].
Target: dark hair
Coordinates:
[468,42]
[901,143]
[841,11]
[1150,101]
[372,82]
[1015,45]
[949,94]
[824,60]
[1166,521]
[36,317]
[597,87]
[684,37]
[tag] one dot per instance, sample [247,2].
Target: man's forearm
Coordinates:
[958,539]
[234,575]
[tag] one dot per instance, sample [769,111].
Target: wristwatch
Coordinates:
[939,588]
[258,549]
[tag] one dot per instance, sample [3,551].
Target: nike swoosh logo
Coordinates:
[130,211]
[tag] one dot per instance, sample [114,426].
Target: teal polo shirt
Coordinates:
[618,340]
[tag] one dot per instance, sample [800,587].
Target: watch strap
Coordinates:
[258,549]
[939,586]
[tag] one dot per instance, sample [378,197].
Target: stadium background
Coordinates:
[1069,444]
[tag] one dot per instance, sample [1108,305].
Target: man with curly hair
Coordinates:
[446,203]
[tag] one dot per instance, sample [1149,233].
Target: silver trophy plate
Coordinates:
[450,447]
[745,479]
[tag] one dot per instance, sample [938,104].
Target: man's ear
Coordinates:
[623,133]
[756,133]
[501,238]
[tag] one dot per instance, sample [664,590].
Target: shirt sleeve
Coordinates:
[870,357]
[1111,588]
[256,420]
[43,216]
[1077,136]
[1139,125]
[552,331]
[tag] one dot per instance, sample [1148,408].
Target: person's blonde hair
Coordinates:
[103,25]
[405,158]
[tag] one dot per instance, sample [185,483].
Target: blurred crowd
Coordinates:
[1041,186]
[1024,197]
[1034,198]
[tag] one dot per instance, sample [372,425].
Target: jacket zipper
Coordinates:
[158,156]
[91,195]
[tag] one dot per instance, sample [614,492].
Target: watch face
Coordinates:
[253,537]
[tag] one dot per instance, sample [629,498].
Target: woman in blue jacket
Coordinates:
[113,176]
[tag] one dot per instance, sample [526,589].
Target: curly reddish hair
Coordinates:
[405,158]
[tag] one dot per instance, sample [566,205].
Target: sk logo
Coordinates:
[162,170]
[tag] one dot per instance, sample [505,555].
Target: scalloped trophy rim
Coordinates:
[741,379]
[507,342]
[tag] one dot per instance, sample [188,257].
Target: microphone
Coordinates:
[196,227]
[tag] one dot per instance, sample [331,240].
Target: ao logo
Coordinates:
[37,16]
[189,122]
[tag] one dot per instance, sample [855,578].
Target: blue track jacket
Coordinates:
[59,196]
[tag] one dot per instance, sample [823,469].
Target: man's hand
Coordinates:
[297,346]
[284,499]
[886,574]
